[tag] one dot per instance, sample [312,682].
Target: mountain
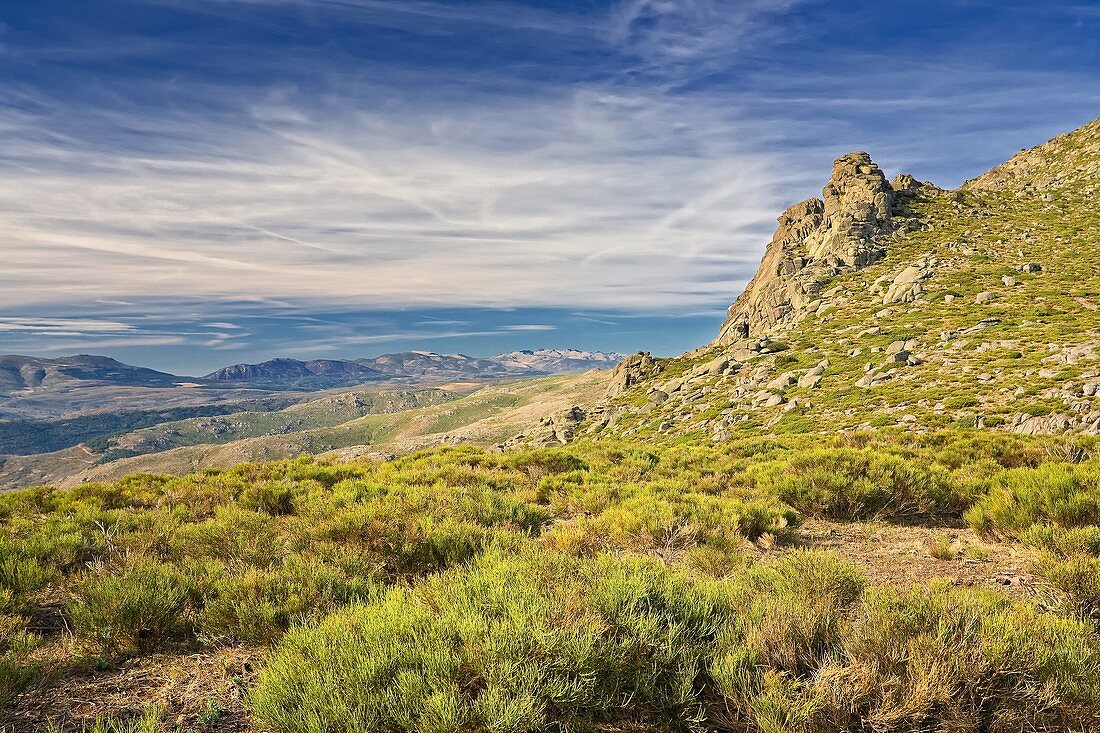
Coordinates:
[71,387]
[426,365]
[901,304]
[18,373]
[558,361]
[293,374]
[408,366]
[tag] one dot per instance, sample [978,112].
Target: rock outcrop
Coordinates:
[629,372]
[817,239]
[907,285]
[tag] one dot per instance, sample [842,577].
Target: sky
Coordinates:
[186,184]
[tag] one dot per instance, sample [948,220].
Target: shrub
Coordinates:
[1065,542]
[860,484]
[510,645]
[1063,495]
[964,660]
[17,667]
[940,547]
[232,535]
[257,605]
[133,608]
[1076,576]
[19,577]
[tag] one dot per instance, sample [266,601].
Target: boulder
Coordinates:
[907,285]
[629,372]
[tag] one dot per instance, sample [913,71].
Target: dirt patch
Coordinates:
[199,692]
[891,554]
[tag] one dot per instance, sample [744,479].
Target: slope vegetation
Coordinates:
[978,307]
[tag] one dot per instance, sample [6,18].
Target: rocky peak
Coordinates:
[817,239]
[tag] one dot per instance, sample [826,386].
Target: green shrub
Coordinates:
[257,605]
[133,608]
[232,535]
[1064,542]
[17,666]
[943,659]
[19,577]
[1062,495]
[1076,576]
[860,484]
[510,645]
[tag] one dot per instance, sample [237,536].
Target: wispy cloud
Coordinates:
[626,156]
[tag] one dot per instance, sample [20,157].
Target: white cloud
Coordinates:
[602,200]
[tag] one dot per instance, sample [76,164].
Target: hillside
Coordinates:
[66,410]
[904,304]
[345,425]
[41,389]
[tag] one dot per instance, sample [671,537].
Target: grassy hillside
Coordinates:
[325,412]
[27,437]
[478,414]
[1005,334]
[599,586]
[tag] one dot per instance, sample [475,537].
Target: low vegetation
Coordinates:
[595,586]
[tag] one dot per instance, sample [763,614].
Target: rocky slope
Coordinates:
[902,304]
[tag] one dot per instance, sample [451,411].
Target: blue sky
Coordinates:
[190,183]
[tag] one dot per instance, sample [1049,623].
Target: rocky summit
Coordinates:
[817,240]
[901,303]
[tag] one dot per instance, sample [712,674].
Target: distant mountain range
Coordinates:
[420,366]
[27,376]
[29,373]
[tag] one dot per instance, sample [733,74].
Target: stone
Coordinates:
[985,297]
[905,183]
[629,372]
[1010,282]
[816,240]
[907,285]
[1032,268]
[787,379]
[718,366]
[809,381]
[657,397]
[774,401]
